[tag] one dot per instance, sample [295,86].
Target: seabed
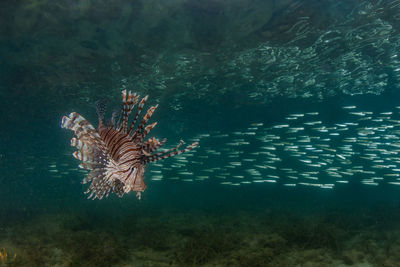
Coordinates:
[273,237]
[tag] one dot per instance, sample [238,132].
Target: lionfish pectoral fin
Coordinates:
[91,151]
[157,144]
[154,158]
[146,153]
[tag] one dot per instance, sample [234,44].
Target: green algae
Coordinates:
[179,239]
[203,246]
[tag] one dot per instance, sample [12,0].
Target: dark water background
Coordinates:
[201,61]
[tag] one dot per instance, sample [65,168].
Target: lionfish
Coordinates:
[116,154]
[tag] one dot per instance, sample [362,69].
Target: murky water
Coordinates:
[294,104]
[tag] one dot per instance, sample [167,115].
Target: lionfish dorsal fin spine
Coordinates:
[123,92]
[129,101]
[140,107]
[148,129]
[137,134]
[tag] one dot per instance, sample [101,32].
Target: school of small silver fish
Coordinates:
[302,151]
[345,48]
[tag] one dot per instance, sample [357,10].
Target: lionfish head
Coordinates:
[135,179]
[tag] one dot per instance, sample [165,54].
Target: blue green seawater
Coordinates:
[295,105]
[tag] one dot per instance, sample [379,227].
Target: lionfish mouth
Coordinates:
[116,154]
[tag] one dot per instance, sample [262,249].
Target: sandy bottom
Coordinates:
[193,238]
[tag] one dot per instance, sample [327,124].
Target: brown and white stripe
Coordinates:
[115,154]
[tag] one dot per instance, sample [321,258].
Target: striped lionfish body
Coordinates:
[116,154]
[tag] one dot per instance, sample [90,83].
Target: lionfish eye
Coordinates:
[131,170]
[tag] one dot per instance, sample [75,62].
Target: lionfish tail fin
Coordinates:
[154,158]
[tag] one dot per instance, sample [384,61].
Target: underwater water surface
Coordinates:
[295,106]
